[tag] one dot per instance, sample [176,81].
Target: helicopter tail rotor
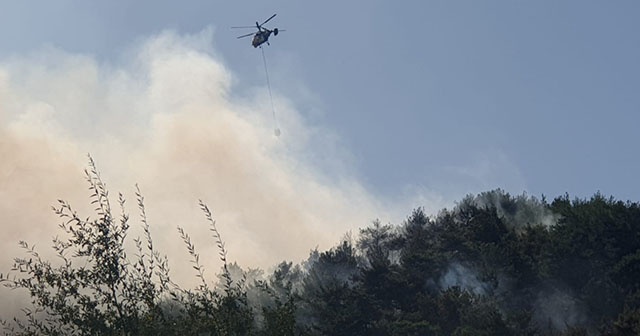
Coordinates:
[275,31]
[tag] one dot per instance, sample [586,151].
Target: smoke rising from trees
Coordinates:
[164,118]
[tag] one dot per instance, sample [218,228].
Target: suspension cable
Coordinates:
[276,129]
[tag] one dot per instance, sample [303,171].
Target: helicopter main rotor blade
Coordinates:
[244,27]
[267,20]
[245,35]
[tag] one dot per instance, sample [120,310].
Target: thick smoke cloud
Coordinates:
[164,118]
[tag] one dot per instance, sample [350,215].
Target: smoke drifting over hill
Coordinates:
[165,119]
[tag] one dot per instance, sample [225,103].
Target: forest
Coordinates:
[493,264]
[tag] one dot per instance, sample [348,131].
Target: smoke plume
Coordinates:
[164,118]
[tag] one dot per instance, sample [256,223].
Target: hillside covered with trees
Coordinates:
[495,264]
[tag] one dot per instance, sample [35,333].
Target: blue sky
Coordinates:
[450,96]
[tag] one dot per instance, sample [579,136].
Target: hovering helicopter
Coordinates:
[263,33]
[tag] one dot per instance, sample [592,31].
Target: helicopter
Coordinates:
[262,36]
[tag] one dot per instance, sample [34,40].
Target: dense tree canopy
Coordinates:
[494,264]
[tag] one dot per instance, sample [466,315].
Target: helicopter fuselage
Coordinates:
[261,37]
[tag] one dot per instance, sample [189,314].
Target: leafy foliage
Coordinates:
[96,289]
[493,265]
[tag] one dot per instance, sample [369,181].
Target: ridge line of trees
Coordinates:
[495,264]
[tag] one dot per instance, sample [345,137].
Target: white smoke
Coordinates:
[457,275]
[164,119]
[517,211]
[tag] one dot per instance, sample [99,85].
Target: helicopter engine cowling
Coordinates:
[275,31]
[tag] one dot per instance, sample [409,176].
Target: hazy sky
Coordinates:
[451,96]
[384,106]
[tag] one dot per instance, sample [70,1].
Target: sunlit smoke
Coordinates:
[164,119]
